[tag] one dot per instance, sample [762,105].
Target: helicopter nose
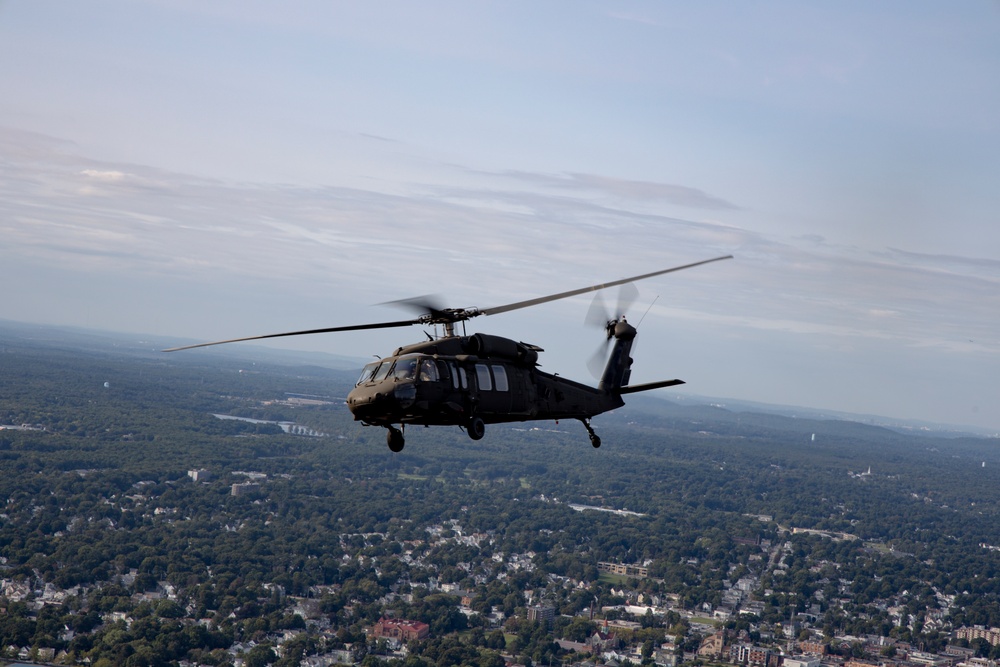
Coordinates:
[380,403]
[365,404]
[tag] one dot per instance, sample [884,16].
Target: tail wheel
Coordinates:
[476,428]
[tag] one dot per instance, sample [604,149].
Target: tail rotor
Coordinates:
[599,316]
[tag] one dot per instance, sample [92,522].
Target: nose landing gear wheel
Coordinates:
[476,428]
[394,438]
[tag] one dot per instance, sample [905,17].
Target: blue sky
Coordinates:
[211,170]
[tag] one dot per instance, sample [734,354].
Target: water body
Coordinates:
[288,427]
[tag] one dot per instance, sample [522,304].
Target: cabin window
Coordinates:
[483,375]
[405,369]
[428,371]
[500,378]
[463,379]
[454,375]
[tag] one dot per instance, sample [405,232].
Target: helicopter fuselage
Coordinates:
[451,381]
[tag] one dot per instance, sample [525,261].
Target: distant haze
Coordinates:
[213,170]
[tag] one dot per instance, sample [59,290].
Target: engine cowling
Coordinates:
[486,345]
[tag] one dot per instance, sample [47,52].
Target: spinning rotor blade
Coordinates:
[355,327]
[597,361]
[433,313]
[429,304]
[627,294]
[593,288]
[598,315]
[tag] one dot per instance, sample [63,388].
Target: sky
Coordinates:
[214,170]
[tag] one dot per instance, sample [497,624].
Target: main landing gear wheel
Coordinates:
[476,428]
[595,439]
[394,438]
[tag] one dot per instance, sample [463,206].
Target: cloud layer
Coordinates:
[234,168]
[195,242]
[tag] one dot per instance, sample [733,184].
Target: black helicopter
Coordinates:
[473,380]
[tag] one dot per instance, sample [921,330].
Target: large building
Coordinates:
[401,630]
[756,656]
[801,661]
[812,648]
[244,488]
[713,646]
[991,635]
[624,569]
[541,613]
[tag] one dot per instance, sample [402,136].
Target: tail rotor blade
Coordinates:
[627,294]
[598,360]
[598,314]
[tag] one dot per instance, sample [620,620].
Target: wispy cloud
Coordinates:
[198,242]
[549,231]
[622,188]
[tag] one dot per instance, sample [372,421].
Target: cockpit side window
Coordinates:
[405,369]
[444,373]
[428,371]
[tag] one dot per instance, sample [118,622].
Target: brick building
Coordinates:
[404,631]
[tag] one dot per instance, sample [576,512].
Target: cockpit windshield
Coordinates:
[382,371]
[368,372]
[403,368]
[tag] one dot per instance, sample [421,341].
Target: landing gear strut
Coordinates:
[394,438]
[595,439]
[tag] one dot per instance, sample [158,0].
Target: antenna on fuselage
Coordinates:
[647,311]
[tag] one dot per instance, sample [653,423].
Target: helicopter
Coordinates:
[473,380]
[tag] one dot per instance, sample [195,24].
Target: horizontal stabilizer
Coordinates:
[650,385]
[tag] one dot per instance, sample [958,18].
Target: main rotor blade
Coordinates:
[353,327]
[593,288]
[429,304]
[451,315]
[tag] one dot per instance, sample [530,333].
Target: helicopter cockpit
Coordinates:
[405,368]
[389,388]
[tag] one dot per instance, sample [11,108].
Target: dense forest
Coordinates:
[100,516]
